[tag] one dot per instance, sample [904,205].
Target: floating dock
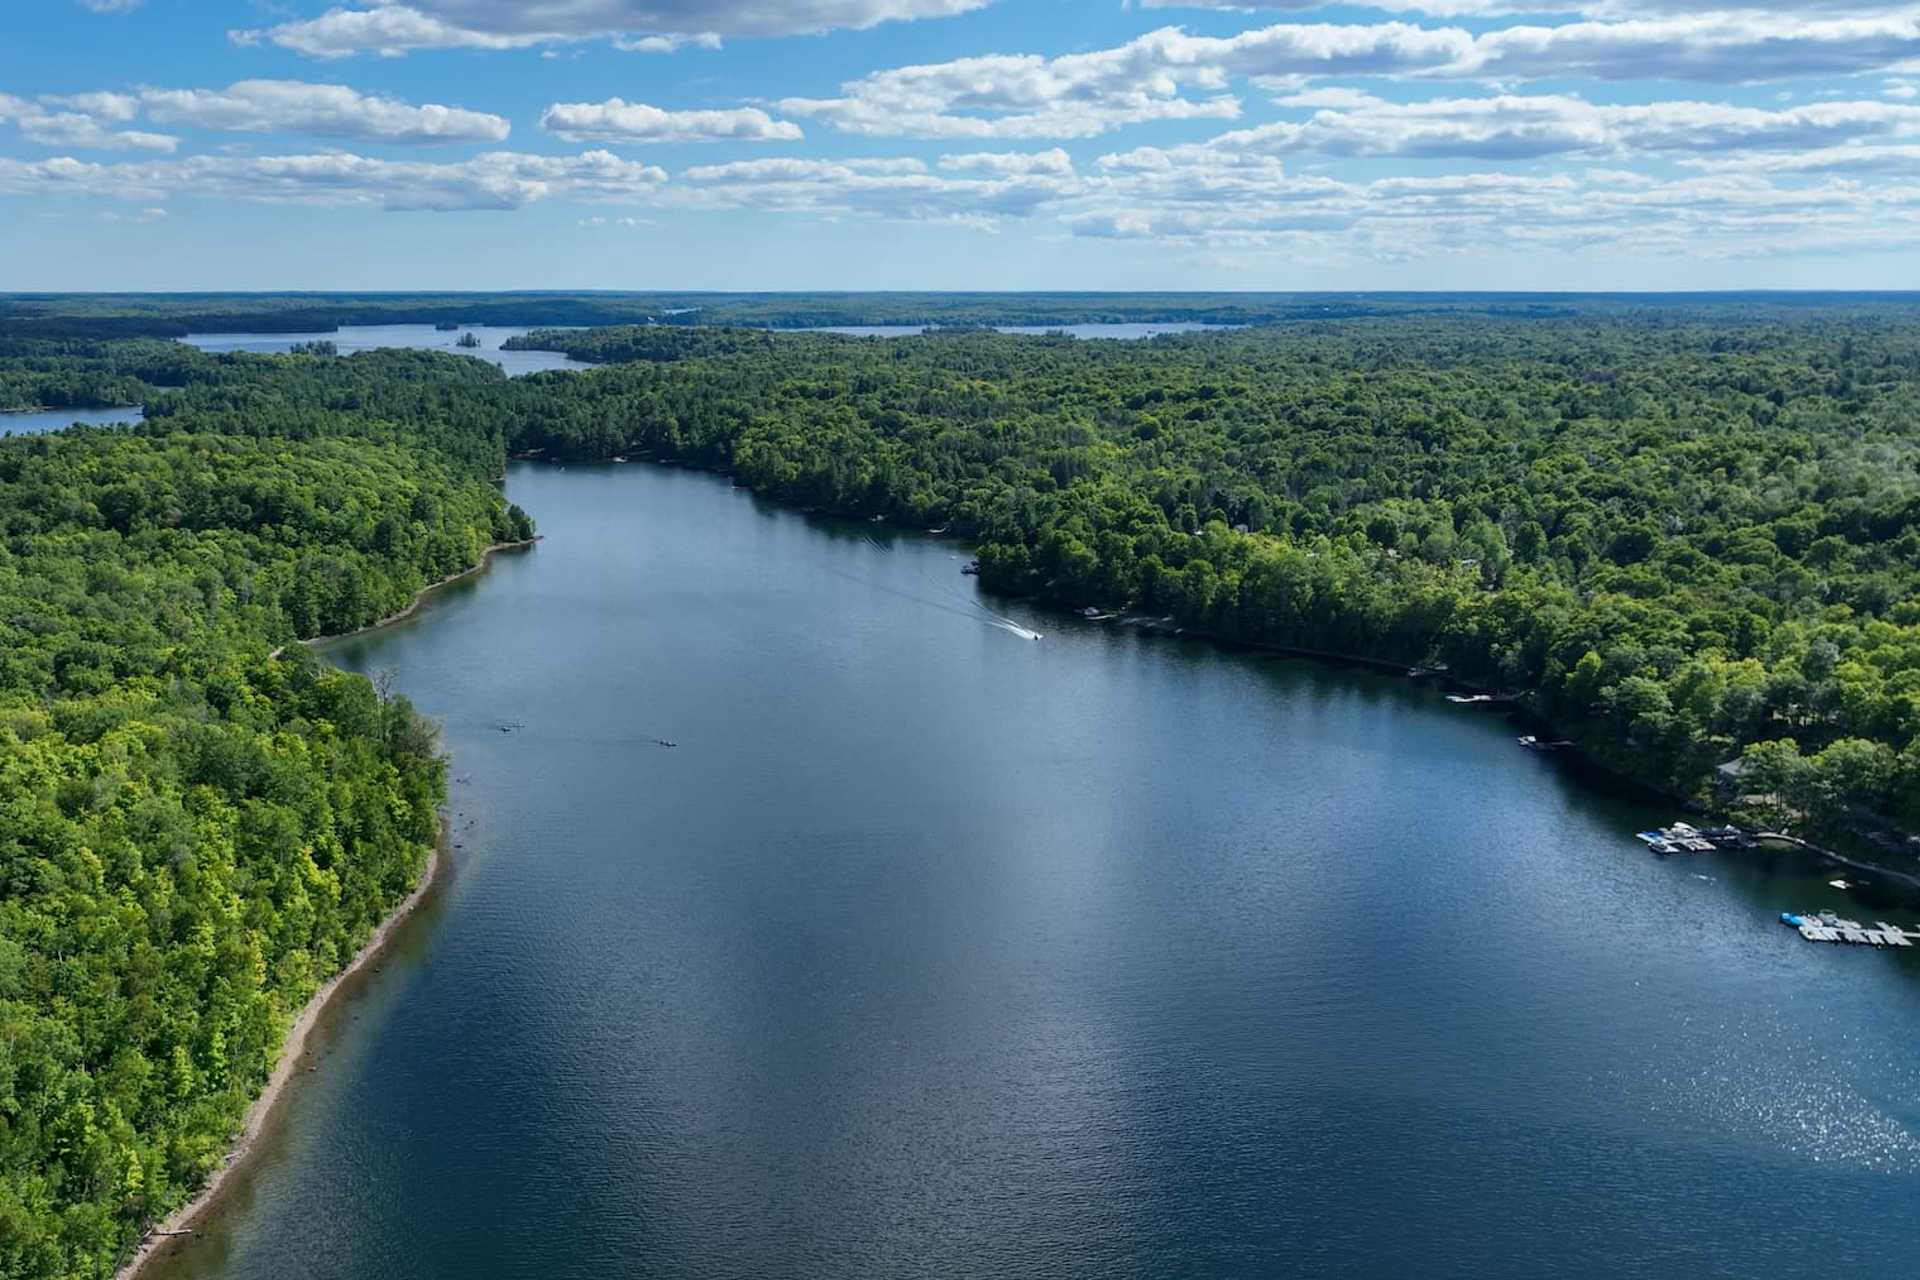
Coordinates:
[1684,837]
[1825,926]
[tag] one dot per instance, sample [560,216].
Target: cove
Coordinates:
[931,950]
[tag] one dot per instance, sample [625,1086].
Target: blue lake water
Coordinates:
[932,950]
[422,337]
[41,420]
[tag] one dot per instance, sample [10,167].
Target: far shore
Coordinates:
[292,1050]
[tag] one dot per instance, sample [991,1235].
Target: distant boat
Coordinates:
[1532,743]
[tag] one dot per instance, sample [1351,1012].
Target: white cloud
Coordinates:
[1586,8]
[1724,48]
[394,29]
[1170,74]
[616,120]
[1870,158]
[76,129]
[138,216]
[111,6]
[495,180]
[324,110]
[118,107]
[1521,127]
[1055,161]
[899,190]
[1210,198]
[667,44]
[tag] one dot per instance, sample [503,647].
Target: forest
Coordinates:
[175,315]
[1686,538]
[1685,542]
[194,833]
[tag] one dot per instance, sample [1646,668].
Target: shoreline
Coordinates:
[420,596]
[1583,758]
[293,1048]
[1808,846]
[179,1224]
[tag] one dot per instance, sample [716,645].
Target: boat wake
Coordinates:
[958,605]
[1009,625]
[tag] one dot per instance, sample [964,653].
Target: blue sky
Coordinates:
[959,144]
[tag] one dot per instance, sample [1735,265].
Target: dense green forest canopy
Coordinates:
[1688,540]
[194,833]
[1689,536]
[175,315]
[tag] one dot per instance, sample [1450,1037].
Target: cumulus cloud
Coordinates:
[1212,198]
[1586,8]
[900,190]
[495,180]
[1521,127]
[616,120]
[1055,161]
[118,107]
[323,110]
[395,29]
[1170,74]
[1724,48]
[77,129]
[667,44]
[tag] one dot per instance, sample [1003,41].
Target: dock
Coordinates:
[1684,837]
[1825,926]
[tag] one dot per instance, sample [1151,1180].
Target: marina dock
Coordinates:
[1684,837]
[1825,926]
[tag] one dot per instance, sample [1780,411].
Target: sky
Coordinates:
[959,144]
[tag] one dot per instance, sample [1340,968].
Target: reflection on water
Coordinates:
[931,950]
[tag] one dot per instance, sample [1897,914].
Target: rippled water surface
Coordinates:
[932,950]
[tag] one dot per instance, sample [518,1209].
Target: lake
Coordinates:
[422,337]
[933,950]
[38,421]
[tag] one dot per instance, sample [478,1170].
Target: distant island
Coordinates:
[469,340]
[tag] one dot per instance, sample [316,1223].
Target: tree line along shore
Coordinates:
[1691,539]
